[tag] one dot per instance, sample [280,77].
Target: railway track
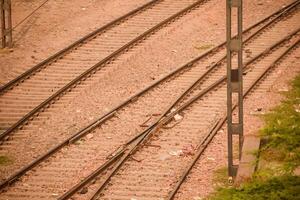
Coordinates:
[152,170]
[42,139]
[29,95]
[46,180]
[43,144]
[263,81]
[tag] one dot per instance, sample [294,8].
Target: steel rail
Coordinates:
[73,83]
[223,79]
[214,130]
[64,89]
[117,155]
[130,149]
[96,67]
[111,113]
[61,53]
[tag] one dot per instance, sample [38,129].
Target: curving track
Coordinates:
[264,81]
[30,94]
[84,157]
[152,171]
[32,141]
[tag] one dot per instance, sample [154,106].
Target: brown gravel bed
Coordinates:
[40,135]
[53,76]
[101,142]
[159,54]
[28,135]
[201,180]
[128,120]
[41,36]
[149,174]
[132,70]
[157,166]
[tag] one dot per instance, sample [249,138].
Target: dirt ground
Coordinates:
[165,51]
[203,178]
[158,55]
[61,22]
[54,26]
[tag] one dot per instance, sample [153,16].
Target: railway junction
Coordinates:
[141,99]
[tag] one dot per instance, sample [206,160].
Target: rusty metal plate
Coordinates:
[235,45]
[236,128]
[234,75]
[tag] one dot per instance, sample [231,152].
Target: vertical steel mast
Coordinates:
[234,79]
[6,23]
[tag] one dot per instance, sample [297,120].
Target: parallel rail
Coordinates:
[89,72]
[220,123]
[59,54]
[165,118]
[113,166]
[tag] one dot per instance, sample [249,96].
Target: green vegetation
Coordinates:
[4,160]
[282,130]
[277,188]
[279,157]
[220,177]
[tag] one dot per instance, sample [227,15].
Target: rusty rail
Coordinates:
[111,113]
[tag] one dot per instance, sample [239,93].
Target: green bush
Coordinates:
[282,148]
[277,188]
[282,129]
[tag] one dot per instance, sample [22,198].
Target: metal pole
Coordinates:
[234,81]
[6,23]
[229,93]
[9,25]
[2,21]
[240,66]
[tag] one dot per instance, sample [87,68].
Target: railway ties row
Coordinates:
[108,43]
[105,134]
[143,169]
[32,131]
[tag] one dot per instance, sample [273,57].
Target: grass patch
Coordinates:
[279,157]
[4,160]
[220,177]
[282,130]
[277,188]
